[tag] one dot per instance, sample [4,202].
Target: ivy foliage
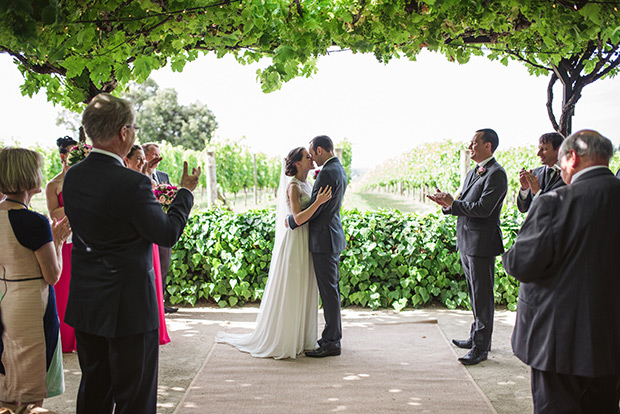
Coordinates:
[392,260]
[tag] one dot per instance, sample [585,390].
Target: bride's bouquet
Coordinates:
[165,193]
[78,153]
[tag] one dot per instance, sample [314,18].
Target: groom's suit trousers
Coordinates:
[327,277]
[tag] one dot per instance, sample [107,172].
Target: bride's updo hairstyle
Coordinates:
[293,157]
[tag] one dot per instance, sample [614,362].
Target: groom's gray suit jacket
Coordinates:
[326,233]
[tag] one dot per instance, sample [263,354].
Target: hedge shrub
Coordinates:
[392,260]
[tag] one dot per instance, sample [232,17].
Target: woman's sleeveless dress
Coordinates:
[31,362]
[67,335]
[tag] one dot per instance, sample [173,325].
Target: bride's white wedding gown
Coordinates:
[287,320]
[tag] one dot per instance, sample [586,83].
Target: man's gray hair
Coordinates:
[104,117]
[588,143]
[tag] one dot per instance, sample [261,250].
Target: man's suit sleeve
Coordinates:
[150,220]
[523,204]
[531,256]
[494,190]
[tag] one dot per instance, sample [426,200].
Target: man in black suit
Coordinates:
[568,316]
[479,237]
[327,241]
[542,179]
[152,154]
[112,303]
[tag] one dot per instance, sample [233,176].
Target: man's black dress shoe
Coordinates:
[462,343]
[323,352]
[473,357]
[170,309]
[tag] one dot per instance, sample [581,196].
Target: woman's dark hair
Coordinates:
[134,148]
[294,156]
[65,143]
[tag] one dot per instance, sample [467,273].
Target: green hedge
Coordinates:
[392,260]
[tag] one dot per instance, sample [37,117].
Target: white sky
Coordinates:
[384,110]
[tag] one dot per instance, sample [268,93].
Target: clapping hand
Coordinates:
[149,167]
[523,179]
[324,194]
[441,198]
[534,182]
[60,230]
[190,181]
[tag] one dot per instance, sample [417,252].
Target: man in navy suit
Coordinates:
[568,316]
[479,237]
[542,179]
[327,241]
[112,303]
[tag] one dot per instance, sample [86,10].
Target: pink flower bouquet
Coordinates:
[78,153]
[165,193]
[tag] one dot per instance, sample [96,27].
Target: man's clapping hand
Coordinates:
[441,198]
[149,167]
[529,180]
[190,181]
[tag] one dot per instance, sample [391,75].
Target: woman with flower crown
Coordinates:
[55,206]
[287,321]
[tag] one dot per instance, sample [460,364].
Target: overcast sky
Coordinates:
[384,110]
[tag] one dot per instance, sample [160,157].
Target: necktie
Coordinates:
[155,178]
[551,175]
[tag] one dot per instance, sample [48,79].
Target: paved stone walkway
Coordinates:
[503,378]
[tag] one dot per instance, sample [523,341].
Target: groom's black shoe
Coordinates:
[473,357]
[323,352]
[463,343]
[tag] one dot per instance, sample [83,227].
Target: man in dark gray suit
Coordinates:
[112,303]
[327,241]
[479,238]
[542,179]
[152,154]
[568,315]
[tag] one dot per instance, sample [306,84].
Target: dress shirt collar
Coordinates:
[585,170]
[328,161]
[485,162]
[109,154]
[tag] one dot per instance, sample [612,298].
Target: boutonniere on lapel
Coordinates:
[316,173]
[481,171]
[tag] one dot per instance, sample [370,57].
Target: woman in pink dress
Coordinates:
[55,206]
[136,161]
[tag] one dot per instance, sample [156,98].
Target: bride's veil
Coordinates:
[282,210]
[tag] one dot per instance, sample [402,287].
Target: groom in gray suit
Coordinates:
[479,237]
[327,242]
[568,317]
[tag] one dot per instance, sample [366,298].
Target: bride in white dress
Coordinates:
[287,320]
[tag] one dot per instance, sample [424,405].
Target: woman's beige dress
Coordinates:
[25,295]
